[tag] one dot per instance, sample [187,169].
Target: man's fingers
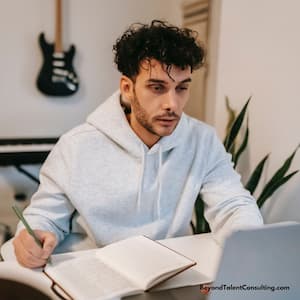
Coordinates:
[25,257]
[27,260]
[29,253]
[49,242]
[30,244]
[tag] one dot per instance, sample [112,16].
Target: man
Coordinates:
[138,163]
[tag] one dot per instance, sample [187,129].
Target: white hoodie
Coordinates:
[121,188]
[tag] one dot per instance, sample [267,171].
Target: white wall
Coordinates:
[93,26]
[258,55]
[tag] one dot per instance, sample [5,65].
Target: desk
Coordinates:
[202,248]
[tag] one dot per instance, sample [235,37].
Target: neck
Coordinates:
[58,27]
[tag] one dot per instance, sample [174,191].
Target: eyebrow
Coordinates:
[152,80]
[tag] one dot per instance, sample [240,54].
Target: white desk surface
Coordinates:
[202,248]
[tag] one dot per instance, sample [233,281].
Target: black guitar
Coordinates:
[57,76]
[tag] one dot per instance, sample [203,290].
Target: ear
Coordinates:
[126,88]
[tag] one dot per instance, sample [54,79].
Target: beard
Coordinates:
[147,122]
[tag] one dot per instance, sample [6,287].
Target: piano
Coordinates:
[25,151]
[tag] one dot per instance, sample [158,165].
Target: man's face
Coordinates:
[157,99]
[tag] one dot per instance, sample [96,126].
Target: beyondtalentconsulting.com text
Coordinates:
[204,288]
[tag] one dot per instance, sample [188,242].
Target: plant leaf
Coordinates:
[280,172]
[199,210]
[201,223]
[193,227]
[269,192]
[231,117]
[255,176]
[229,141]
[242,147]
[231,112]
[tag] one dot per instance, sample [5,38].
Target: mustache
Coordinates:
[170,114]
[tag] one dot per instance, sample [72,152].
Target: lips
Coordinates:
[166,121]
[170,117]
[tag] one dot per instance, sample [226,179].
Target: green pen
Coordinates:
[19,214]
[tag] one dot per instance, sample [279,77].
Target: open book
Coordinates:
[127,267]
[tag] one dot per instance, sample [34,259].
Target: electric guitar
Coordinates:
[57,76]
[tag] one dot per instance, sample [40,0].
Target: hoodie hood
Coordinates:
[110,119]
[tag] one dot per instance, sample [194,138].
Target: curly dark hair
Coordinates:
[166,43]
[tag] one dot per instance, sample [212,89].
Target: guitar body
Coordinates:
[57,76]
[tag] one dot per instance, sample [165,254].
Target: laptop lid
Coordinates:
[261,263]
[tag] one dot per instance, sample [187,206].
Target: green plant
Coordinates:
[231,145]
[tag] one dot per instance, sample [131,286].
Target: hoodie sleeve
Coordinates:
[228,205]
[50,208]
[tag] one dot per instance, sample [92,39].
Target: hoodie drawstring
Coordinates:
[158,199]
[141,183]
[157,202]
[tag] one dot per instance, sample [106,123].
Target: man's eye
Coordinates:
[157,88]
[182,88]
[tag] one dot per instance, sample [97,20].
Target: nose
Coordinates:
[170,101]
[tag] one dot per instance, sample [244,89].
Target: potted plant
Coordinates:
[280,177]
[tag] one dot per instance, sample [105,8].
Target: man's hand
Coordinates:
[29,254]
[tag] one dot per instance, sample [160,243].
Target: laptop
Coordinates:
[261,263]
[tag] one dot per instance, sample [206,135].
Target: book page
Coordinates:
[189,277]
[143,261]
[89,278]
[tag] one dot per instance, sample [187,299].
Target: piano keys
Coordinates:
[25,151]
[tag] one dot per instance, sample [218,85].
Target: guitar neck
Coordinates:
[58,27]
